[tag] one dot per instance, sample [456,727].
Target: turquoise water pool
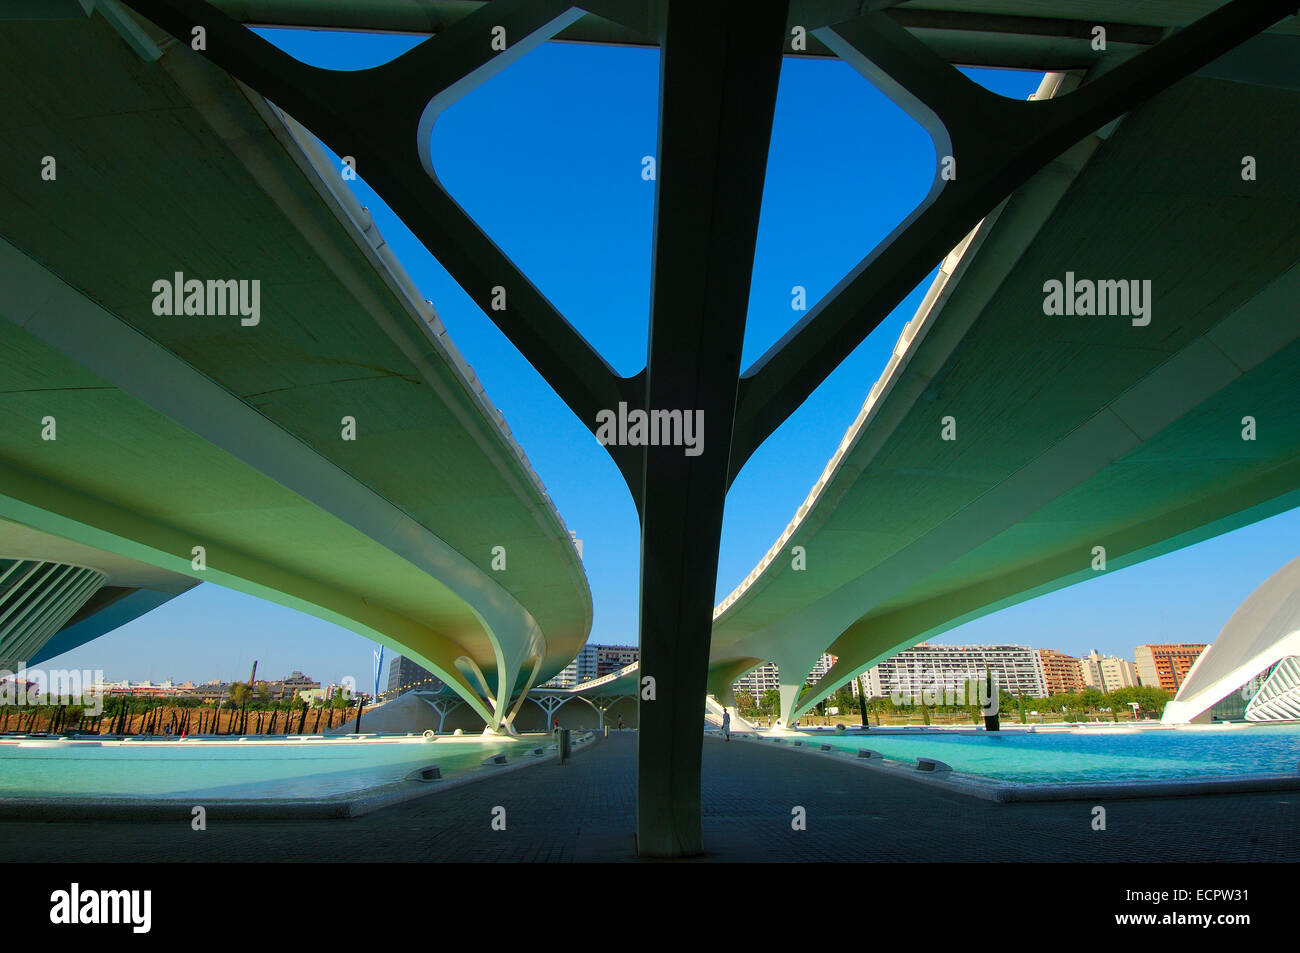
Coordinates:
[1092,755]
[253,769]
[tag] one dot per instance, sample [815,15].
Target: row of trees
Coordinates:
[1150,702]
[242,710]
[158,716]
[258,698]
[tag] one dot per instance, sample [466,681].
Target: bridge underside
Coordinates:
[213,447]
[1072,432]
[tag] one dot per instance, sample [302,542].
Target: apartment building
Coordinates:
[926,666]
[1107,673]
[1062,674]
[1165,666]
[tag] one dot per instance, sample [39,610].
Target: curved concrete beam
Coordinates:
[873,639]
[723,676]
[78,327]
[62,512]
[1188,380]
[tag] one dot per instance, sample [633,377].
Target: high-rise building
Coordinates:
[1165,666]
[927,667]
[594,661]
[611,658]
[767,677]
[1062,674]
[1107,673]
[567,677]
[405,675]
[585,663]
[821,667]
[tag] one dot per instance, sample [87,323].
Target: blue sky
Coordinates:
[547,157]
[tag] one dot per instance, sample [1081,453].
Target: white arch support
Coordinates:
[1263,631]
[443,705]
[550,704]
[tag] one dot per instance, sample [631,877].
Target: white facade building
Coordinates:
[582,669]
[1018,668]
[1106,673]
[767,677]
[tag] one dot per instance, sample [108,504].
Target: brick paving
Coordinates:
[584,811]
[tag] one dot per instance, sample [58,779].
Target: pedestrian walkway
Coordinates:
[584,811]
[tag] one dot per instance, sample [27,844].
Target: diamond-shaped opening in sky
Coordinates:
[845,166]
[549,157]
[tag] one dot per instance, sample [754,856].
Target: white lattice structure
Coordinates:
[37,598]
[1279,697]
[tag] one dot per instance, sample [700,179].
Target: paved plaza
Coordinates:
[583,811]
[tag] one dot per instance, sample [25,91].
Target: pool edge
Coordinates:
[258,809]
[1007,792]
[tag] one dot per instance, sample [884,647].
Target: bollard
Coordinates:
[563,744]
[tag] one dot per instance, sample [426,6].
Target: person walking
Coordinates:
[726,724]
[620,722]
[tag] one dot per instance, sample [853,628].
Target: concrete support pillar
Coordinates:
[602,703]
[509,721]
[721,63]
[793,669]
